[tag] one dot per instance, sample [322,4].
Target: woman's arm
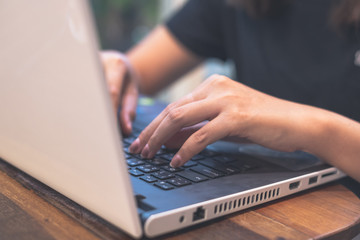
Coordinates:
[234,110]
[337,141]
[159,60]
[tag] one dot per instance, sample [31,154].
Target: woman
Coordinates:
[297,62]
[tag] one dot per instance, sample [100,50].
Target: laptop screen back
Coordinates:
[56,122]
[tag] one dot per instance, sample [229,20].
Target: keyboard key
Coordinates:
[127,155]
[192,176]
[179,182]
[161,151]
[147,168]
[127,151]
[129,140]
[134,162]
[164,185]
[189,164]
[148,178]
[138,156]
[244,165]
[136,131]
[158,161]
[211,173]
[209,153]
[167,156]
[163,175]
[135,172]
[228,169]
[224,159]
[171,169]
[250,166]
[197,157]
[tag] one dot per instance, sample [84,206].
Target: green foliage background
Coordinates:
[121,23]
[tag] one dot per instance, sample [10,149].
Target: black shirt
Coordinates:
[296,55]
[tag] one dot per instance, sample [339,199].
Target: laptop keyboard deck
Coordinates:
[205,166]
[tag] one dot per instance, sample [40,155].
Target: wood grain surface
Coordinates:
[31,210]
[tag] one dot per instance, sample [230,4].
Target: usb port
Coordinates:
[294,185]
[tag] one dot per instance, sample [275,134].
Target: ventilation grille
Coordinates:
[244,201]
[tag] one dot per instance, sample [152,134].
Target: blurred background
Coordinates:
[123,23]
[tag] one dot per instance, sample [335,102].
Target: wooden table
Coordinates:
[30,210]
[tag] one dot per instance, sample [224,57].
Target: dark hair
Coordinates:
[344,15]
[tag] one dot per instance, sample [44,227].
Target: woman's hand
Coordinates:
[155,62]
[230,110]
[122,87]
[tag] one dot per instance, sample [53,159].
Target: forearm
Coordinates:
[256,117]
[336,140]
[159,59]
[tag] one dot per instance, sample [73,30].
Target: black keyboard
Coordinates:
[205,166]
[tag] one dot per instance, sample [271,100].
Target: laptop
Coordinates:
[57,124]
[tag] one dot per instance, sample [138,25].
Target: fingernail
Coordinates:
[134,147]
[175,162]
[145,152]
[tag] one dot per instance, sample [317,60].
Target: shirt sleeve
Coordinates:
[197,26]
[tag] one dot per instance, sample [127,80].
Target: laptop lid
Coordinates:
[57,123]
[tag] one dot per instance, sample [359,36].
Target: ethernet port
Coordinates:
[199,214]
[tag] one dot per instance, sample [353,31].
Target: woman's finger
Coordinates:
[211,132]
[115,72]
[137,146]
[128,108]
[200,93]
[178,139]
[177,118]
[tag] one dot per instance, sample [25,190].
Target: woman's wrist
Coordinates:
[323,131]
[314,128]
[131,72]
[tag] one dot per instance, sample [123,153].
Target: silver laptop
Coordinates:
[57,125]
